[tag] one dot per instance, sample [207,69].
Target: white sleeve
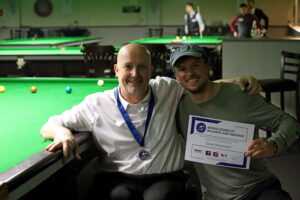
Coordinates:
[168,85]
[186,24]
[80,117]
[200,21]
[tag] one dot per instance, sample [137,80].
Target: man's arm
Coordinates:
[186,30]
[63,138]
[200,22]
[247,84]
[79,118]
[285,127]
[258,25]
[232,23]
[263,16]
[266,20]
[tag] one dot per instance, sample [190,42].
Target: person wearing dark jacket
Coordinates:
[259,13]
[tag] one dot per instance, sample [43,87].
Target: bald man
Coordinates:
[134,124]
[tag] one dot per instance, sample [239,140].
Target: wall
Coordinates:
[261,59]
[221,11]
[11,13]
[87,13]
[153,12]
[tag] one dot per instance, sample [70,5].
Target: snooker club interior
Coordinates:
[56,44]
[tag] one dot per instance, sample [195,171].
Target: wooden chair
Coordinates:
[180,32]
[99,61]
[159,58]
[290,64]
[155,32]
[35,32]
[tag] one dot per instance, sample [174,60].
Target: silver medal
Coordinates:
[143,155]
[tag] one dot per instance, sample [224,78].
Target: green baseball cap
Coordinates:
[187,50]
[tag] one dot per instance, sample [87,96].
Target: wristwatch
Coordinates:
[274,145]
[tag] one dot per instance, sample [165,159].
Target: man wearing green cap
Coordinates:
[225,101]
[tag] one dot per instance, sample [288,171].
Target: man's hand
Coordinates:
[65,140]
[235,34]
[248,84]
[261,148]
[263,32]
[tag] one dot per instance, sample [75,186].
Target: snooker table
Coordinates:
[24,162]
[41,53]
[49,41]
[213,43]
[206,41]
[54,58]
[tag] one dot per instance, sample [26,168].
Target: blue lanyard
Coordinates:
[130,125]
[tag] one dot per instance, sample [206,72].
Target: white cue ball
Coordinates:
[100,82]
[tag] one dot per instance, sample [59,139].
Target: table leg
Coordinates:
[3,191]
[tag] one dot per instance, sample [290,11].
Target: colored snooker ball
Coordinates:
[68,89]
[2,88]
[33,89]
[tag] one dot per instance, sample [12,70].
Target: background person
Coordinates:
[244,22]
[194,24]
[259,13]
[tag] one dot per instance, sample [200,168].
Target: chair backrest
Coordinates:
[290,64]
[17,33]
[35,32]
[156,32]
[180,32]
[99,61]
[159,57]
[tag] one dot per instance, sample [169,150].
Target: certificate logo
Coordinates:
[197,124]
[201,127]
[208,153]
[215,154]
[199,151]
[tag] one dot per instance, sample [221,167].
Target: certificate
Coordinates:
[218,142]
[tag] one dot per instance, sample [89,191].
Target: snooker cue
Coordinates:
[198,10]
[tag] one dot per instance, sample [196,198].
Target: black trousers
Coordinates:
[268,190]
[119,186]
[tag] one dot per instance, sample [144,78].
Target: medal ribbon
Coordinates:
[134,132]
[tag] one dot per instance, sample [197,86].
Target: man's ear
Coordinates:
[116,68]
[174,71]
